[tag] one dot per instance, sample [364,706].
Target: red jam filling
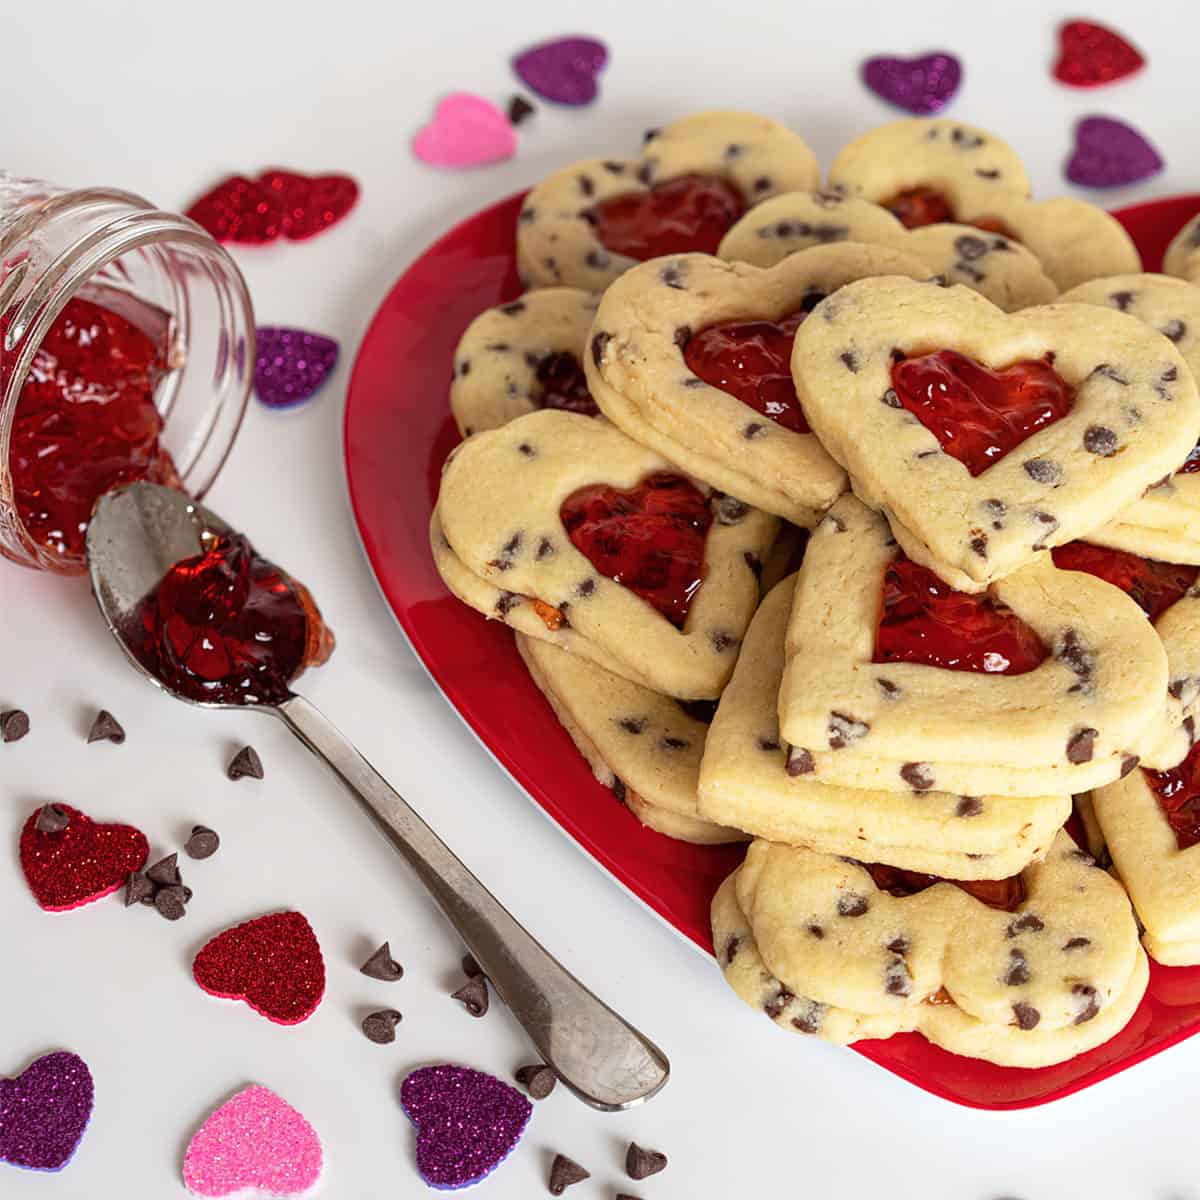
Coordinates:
[1004,894]
[690,212]
[85,423]
[978,415]
[922,620]
[563,385]
[1191,464]
[919,206]
[1154,585]
[752,361]
[229,626]
[649,538]
[1178,792]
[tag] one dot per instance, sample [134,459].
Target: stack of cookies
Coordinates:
[858,522]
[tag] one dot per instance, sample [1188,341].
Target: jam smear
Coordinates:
[978,415]
[1154,585]
[923,620]
[1005,894]
[1178,793]
[690,212]
[229,626]
[649,538]
[563,385]
[752,361]
[85,423]
[918,206]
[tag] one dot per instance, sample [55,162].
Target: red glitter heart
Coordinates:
[273,963]
[1091,55]
[81,862]
[276,204]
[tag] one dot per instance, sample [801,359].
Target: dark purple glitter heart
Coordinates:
[1109,153]
[467,1122]
[563,70]
[44,1111]
[292,365]
[921,85]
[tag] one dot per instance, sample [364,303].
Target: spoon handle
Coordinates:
[599,1056]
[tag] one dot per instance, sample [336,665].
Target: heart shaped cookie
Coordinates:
[466,131]
[690,355]
[567,530]
[584,225]
[254,1144]
[1091,55]
[1074,411]
[889,676]
[273,963]
[44,1112]
[1183,254]
[1030,974]
[745,782]
[71,860]
[277,204]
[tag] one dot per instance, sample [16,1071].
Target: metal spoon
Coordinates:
[136,535]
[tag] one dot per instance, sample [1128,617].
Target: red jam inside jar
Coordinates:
[752,361]
[85,423]
[918,206]
[1178,794]
[978,415]
[563,385]
[923,620]
[690,212]
[1154,585]
[230,627]
[1005,894]
[649,538]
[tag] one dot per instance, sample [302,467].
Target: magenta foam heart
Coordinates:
[292,365]
[467,1122]
[254,1143]
[563,70]
[1109,153]
[44,1112]
[921,85]
[466,131]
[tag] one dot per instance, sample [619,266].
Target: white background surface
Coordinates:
[163,99]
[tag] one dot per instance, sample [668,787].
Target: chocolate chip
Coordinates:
[641,1164]
[14,725]
[731,949]
[809,1021]
[617,787]
[586,588]
[970,247]
[599,343]
[727,510]
[464,369]
[849,360]
[1128,763]
[165,872]
[968,806]
[650,135]
[474,996]
[513,309]
[1097,439]
[470,968]
[1018,969]
[1171,373]
[1081,746]
[768,744]
[844,729]
[138,889]
[721,640]
[597,260]
[987,172]
[1072,652]
[1108,371]
[778,1003]
[672,276]
[995,508]
[382,966]
[527,450]
[203,843]
[51,819]
[633,724]
[899,945]
[761,184]
[979,544]
[800,761]
[674,743]
[106,728]
[1077,943]
[245,765]
[816,930]
[171,901]
[544,550]
[1025,923]
[890,690]
[564,1172]
[891,399]
[683,335]
[1089,1004]
[380,1027]
[537,1079]
[506,602]
[1174,330]
[693,381]
[753,430]
[964,140]
[852,905]
[918,776]
[699,710]
[897,979]
[645,173]
[499,347]
[1027,1016]
[614,168]
[753,562]
[586,186]
[1121,300]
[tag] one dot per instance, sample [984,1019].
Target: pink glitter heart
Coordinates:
[1109,153]
[563,70]
[44,1112]
[255,1142]
[921,85]
[466,131]
[292,365]
[467,1123]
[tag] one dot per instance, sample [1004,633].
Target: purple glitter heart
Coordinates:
[292,365]
[44,1111]
[921,85]
[1109,153]
[467,1123]
[563,70]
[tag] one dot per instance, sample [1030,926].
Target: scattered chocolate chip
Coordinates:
[526,215]
[844,729]
[544,550]
[753,430]
[138,889]
[1018,969]
[51,819]
[979,544]
[890,690]
[1081,746]
[1121,300]
[964,140]
[597,260]
[897,979]
[892,399]
[470,968]
[1025,923]
[380,1027]
[672,276]
[1097,439]
[617,787]
[106,728]
[527,450]
[624,1196]
[849,360]
[995,508]
[728,510]
[599,342]
[674,743]
[809,1021]
[203,843]
[645,173]
[721,641]
[1174,330]
[753,562]
[171,901]
[731,949]
[761,184]
[464,368]
[641,1163]
[899,945]
[382,966]
[245,764]
[852,905]
[650,135]
[970,247]
[768,744]
[165,872]
[778,1003]
[968,806]
[586,588]
[514,309]
[586,186]
[633,724]
[1128,763]
[987,172]
[800,761]
[14,725]
[1077,943]
[473,995]
[506,602]
[613,167]
[1089,1005]
[816,930]
[564,1172]
[1027,1016]
[918,776]
[537,1079]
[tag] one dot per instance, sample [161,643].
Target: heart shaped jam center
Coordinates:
[751,360]
[977,414]
[1005,894]
[922,620]
[919,206]
[690,212]
[649,538]
[1154,585]
[563,385]
[1178,794]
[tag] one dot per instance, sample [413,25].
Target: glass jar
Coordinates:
[161,273]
